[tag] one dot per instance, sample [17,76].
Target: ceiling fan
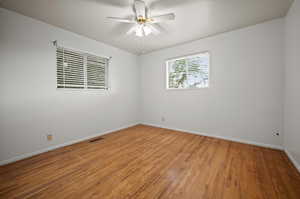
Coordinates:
[144,24]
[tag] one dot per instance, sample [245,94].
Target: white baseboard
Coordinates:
[292,159]
[219,137]
[27,155]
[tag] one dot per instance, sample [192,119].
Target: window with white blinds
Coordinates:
[81,70]
[96,72]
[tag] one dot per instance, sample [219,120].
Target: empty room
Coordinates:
[150,99]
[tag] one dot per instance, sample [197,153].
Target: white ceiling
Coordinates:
[195,19]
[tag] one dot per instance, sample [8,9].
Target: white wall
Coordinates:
[245,98]
[292,82]
[30,104]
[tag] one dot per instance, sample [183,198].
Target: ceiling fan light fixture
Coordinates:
[142,30]
[143,23]
[139,31]
[147,30]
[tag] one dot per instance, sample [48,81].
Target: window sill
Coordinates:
[186,89]
[84,90]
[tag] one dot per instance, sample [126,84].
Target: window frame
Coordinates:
[85,54]
[166,69]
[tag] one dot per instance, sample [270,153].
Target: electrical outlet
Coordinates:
[163,119]
[49,137]
[276,134]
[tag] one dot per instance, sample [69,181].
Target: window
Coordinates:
[188,72]
[81,70]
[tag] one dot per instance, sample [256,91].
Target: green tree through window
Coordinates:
[188,72]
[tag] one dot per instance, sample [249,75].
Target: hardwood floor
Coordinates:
[146,162]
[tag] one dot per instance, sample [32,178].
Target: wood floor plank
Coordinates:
[145,162]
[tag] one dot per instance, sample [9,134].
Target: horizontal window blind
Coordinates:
[81,70]
[96,72]
[70,69]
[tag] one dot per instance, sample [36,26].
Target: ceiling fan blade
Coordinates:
[162,18]
[131,30]
[154,29]
[148,13]
[122,20]
[119,30]
[139,9]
